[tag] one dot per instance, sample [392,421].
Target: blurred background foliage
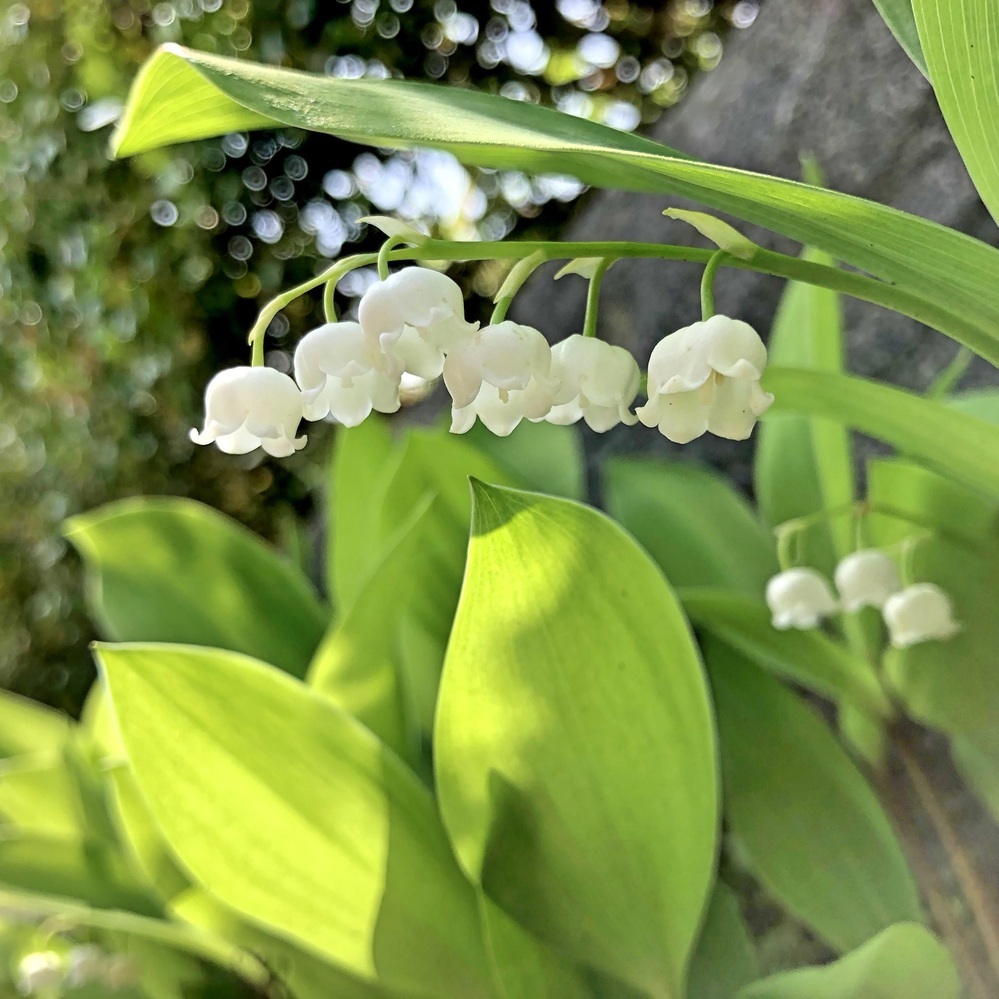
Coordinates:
[124,286]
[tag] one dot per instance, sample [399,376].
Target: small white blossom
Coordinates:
[41,970]
[706,377]
[866,578]
[919,613]
[799,598]
[426,302]
[86,963]
[247,408]
[501,374]
[342,375]
[597,382]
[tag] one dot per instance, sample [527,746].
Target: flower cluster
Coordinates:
[801,598]
[87,964]
[703,378]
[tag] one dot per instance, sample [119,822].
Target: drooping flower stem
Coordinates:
[257,351]
[519,273]
[593,297]
[383,254]
[708,284]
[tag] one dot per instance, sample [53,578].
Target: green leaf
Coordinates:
[172,570]
[358,471]
[932,273]
[724,236]
[39,795]
[574,743]
[725,958]
[977,758]
[960,39]
[983,403]
[29,727]
[812,829]
[951,685]
[803,464]
[538,456]
[692,522]
[806,657]
[316,831]
[360,663]
[898,16]
[902,961]
[934,432]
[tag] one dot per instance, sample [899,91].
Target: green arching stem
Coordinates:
[708,284]
[593,297]
[383,254]
[500,310]
[329,302]
[951,375]
[257,351]
[781,265]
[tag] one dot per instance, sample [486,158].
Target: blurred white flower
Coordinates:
[799,598]
[342,375]
[919,613]
[41,970]
[597,382]
[86,963]
[501,374]
[866,578]
[251,407]
[706,377]
[120,972]
[428,303]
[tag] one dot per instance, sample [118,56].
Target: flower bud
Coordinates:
[706,377]
[866,578]
[919,613]
[799,598]
[247,408]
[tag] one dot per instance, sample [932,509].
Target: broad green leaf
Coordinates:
[953,442]
[360,663]
[898,16]
[902,961]
[538,456]
[983,403]
[357,480]
[932,273]
[316,832]
[574,745]
[811,827]
[803,464]
[724,959]
[184,939]
[692,522]
[977,758]
[89,871]
[39,795]
[29,727]
[172,570]
[806,657]
[960,40]
[952,685]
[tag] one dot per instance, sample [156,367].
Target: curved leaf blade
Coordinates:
[948,279]
[898,15]
[574,741]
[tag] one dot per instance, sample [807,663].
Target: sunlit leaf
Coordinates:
[936,275]
[692,522]
[296,816]
[903,960]
[574,743]
[810,826]
[960,40]
[29,727]
[172,570]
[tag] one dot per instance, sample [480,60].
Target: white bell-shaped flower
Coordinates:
[85,964]
[919,613]
[596,382]
[866,578]
[501,374]
[247,408]
[706,377]
[343,376]
[427,301]
[799,598]
[40,971]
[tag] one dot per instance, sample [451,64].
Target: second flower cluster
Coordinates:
[702,378]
